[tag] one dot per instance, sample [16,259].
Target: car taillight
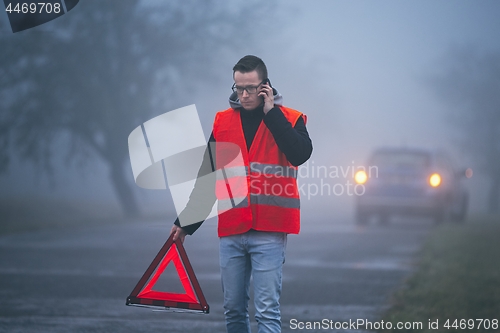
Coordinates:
[435,180]
[360,177]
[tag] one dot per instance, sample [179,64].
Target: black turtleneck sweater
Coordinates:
[294,142]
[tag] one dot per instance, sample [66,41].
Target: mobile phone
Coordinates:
[264,82]
[268,82]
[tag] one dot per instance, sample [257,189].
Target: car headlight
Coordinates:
[435,180]
[360,177]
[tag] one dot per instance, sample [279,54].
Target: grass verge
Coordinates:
[458,278]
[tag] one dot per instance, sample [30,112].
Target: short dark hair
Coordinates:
[251,63]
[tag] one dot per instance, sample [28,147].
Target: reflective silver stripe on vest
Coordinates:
[237,171]
[227,204]
[273,200]
[273,169]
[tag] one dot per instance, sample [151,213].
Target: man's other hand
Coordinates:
[178,233]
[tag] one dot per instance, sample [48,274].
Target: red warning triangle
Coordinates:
[149,292]
[145,294]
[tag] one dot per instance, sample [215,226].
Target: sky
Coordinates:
[359,70]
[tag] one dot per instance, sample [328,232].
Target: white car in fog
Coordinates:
[411,181]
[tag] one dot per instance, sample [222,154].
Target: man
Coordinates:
[273,141]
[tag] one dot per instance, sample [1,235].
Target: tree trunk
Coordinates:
[494,196]
[123,190]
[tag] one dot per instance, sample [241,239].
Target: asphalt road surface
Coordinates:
[77,280]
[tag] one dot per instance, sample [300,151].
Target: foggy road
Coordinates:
[419,75]
[76,280]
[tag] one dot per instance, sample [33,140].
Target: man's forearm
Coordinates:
[202,197]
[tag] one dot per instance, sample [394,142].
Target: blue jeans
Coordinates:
[260,255]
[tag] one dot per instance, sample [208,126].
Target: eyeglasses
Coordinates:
[250,89]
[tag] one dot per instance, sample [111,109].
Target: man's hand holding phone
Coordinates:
[266,92]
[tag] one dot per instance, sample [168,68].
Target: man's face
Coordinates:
[248,80]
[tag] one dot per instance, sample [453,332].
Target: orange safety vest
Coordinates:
[258,188]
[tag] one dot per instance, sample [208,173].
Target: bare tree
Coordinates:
[470,83]
[106,67]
